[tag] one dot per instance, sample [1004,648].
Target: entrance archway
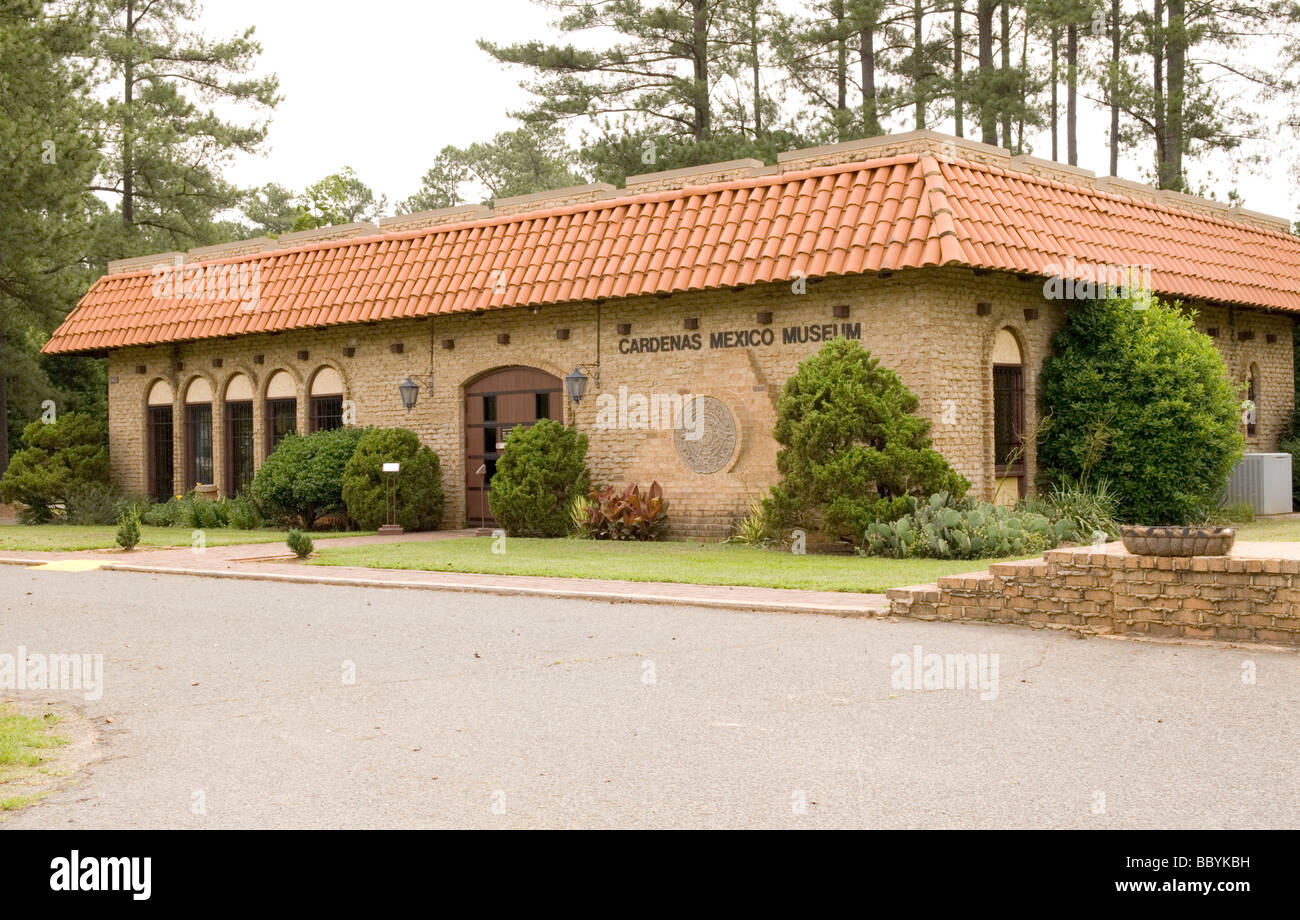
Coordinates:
[494,404]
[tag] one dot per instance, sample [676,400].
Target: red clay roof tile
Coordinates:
[905,211]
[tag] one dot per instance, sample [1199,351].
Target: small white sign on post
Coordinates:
[392,467]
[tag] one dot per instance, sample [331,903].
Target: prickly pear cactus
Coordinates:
[939,528]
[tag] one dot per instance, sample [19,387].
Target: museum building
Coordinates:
[689,294]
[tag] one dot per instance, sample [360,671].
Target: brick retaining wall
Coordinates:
[1103,591]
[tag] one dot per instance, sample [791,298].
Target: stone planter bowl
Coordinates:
[1178,541]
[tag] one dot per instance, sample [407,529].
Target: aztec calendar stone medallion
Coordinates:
[705,434]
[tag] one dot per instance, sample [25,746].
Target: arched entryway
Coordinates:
[494,404]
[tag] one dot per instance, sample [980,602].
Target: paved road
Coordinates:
[488,711]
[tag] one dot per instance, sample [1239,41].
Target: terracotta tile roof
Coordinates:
[905,211]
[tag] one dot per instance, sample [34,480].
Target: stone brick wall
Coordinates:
[927,325]
[1113,592]
[1243,338]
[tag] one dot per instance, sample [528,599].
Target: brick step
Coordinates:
[978,583]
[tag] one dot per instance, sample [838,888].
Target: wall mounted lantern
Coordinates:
[410,391]
[576,383]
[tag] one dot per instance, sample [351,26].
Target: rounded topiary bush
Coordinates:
[1139,397]
[540,471]
[418,488]
[853,448]
[303,478]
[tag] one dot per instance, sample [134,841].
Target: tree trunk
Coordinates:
[1158,84]
[755,45]
[988,112]
[4,412]
[1006,73]
[957,68]
[1114,86]
[1055,109]
[918,55]
[128,167]
[841,72]
[701,126]
[1176,62]
[1024,69]
[1072,94]
[870,113]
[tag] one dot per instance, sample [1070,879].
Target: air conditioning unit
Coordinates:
[1262,481]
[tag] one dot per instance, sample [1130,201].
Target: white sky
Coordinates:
[383,85]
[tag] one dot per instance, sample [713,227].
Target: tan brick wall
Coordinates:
[1242,337]
[1210,597]
[923,324]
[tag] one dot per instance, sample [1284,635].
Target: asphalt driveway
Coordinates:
[255,704]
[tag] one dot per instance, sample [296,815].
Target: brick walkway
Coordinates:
[270,561]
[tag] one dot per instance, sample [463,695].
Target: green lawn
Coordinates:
[1285,529]
[22,740]
[76,536]
[690,563]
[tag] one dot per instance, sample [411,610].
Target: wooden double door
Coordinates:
[495,404]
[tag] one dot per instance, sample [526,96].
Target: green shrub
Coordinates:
[303,478]
[755,528]
[300,543]
[164,514]
[419,495]
[202,513]
[128,530]
[56,460]
[94,503]
[852,447]
[1238,513]
[938,528]
[627,513]
[1142,399]
[1089,509]
[539,472]
[243,513]
[579,509]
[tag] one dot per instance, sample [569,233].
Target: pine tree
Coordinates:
[638,73]
[531,158]
[48,162]
[164,153]
[837,51]
[1186,84]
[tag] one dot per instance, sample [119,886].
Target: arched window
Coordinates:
[326,400]
[1252,400]
[281,409]
[198,433]
[239,434]
[160,440]
[1008,409]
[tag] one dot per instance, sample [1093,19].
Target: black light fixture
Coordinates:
[576,384]
[410,391]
